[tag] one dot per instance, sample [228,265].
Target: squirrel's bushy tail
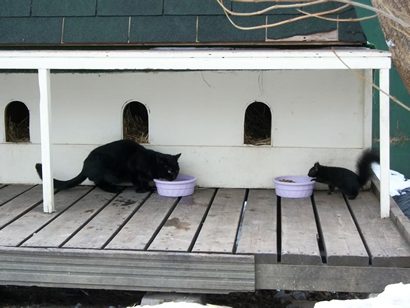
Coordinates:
[364,170]
[63,184]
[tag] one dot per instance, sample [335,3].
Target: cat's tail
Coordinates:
[59,185]
[364,164]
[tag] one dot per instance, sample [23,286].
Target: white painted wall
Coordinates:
[316,115]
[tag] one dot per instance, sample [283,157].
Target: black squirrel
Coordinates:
[347,181]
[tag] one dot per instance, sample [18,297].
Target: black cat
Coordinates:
[123,161]
[347,181]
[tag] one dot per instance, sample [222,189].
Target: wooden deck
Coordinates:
[217,241]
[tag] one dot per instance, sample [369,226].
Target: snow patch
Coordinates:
[397,180]
[180,305]
[393,296]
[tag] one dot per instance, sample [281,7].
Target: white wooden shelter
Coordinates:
[229,236]
[356,59]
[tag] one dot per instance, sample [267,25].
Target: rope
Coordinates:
[394,99]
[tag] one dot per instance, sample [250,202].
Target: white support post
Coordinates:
[384,144]
[45,120]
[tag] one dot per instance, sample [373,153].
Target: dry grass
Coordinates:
[257,141]
[135,127]
[258,124]
[17,132]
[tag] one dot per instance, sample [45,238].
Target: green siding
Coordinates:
[399,117]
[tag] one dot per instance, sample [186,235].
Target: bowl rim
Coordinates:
[190,179]
[310,180]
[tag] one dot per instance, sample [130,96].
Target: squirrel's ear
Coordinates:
[317,165]
[178,156]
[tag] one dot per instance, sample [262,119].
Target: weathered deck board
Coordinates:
[258,233]
[366,279]
[218,232]
[11,191]
[19,205]
[342,240]
[227,266]
[107,222]
[139,230]
[299,232]
[25,226]
[68,223]
[133,270]
[386,245]
[179,230]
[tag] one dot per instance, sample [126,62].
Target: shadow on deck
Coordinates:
[216,241]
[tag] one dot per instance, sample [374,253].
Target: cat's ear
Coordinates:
[317,165]
[177,156]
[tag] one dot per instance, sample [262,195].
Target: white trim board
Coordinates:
[196,59]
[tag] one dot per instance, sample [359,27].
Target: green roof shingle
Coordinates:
[92,30]
[299,27]
[15,8]
[29,30]
[63,8]
[60,23]
[148,29]
[207,26]
[129,7]
[194,7]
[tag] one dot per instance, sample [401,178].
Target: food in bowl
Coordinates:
[294,186]
[183,185]
[286,181]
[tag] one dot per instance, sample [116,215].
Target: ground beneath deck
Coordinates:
[221,239]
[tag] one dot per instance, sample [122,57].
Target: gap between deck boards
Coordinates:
[326,229]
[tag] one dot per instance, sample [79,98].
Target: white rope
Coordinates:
[303,3]
[394,99]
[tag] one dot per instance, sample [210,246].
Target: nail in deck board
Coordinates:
[180,228]
[299,232]
[258,230]
[11,191]
[387,246]
[106,223]
[20,204]
[343,244]
[219,229]
[60,229]
[26,225]
[139,230]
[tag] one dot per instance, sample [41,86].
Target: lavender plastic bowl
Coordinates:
[302,186]
[183,185]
